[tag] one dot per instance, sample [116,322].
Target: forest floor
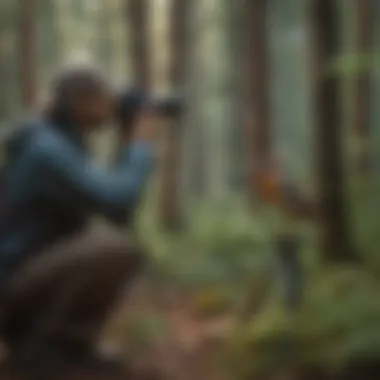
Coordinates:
[190,350]
[187,353]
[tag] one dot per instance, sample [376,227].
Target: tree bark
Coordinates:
[137,18]
[105,41]
[5,61]
[4,79]
[47,41]
[196,137]
[235,40]
[170,203]
[333,218]
[28,52]
[364,11]
[258,132]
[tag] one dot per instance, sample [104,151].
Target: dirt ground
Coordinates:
[187,354]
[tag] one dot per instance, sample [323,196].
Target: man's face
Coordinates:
[93,110]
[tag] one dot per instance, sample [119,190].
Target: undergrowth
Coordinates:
[220,254]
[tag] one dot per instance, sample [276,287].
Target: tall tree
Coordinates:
[137,21]
[365,23]
[47,40]
[234,45]
[6,21]
[105,45]
[196,153]
[258,131]
[170,205]
[335,237]
[28,51]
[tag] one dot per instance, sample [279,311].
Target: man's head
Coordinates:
[81,96]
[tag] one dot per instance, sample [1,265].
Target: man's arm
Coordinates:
[89,185]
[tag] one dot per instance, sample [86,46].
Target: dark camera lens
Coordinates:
[131,102]
[129,105]
[172,106]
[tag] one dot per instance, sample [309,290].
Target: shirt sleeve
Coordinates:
[90,185]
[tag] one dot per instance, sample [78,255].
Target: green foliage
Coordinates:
[339,322]
[340,318]
[215,248]
[349,65]
[364,195]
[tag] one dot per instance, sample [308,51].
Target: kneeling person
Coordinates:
[60,276]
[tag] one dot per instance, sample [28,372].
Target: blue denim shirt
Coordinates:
[53,187]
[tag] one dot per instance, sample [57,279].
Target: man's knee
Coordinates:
[125,253]
[133,255]
[108,248]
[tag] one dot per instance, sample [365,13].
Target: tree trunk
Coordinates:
[5,60]
[104,38]
[178,42]
[365,23]
[4,79]
[137,15]
[333,217]
[47,41]
[235,40]
[170,205]
[28,52]
[258,133]
[196,137]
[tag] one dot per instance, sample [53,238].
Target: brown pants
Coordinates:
[69,288]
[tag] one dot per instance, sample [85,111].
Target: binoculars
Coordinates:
[131,102]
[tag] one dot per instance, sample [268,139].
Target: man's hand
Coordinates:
[146,128]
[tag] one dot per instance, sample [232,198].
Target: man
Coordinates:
[60,276]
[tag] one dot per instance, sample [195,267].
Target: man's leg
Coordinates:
[78,315]
[74,283]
